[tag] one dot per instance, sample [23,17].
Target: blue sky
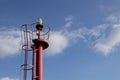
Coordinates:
[84,39]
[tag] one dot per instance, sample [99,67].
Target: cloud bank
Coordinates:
[57,43]
[9,42]
[104,37]
[7,78]
[108,42]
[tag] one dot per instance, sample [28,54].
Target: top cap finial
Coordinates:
[39,21]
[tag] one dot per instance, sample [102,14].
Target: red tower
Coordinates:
[35,39]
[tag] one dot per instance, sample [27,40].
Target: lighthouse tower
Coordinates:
[35,40]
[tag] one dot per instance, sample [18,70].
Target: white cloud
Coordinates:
[62,39]
[111,39]
[68,24]
[104,37]
[9,42]
[113,19]
[85,33]
[102,40]
[108,43]
[58,42]
[69,21]
[69,18]
[7,78]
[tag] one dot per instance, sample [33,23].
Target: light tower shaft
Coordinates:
[39,44]
[39,63]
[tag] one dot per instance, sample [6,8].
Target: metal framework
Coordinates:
[35,40]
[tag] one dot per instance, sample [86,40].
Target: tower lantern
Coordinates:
[39,26]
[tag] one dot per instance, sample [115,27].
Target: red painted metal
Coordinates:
[33,62]
[39,63]
[38,45]
[26,53]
